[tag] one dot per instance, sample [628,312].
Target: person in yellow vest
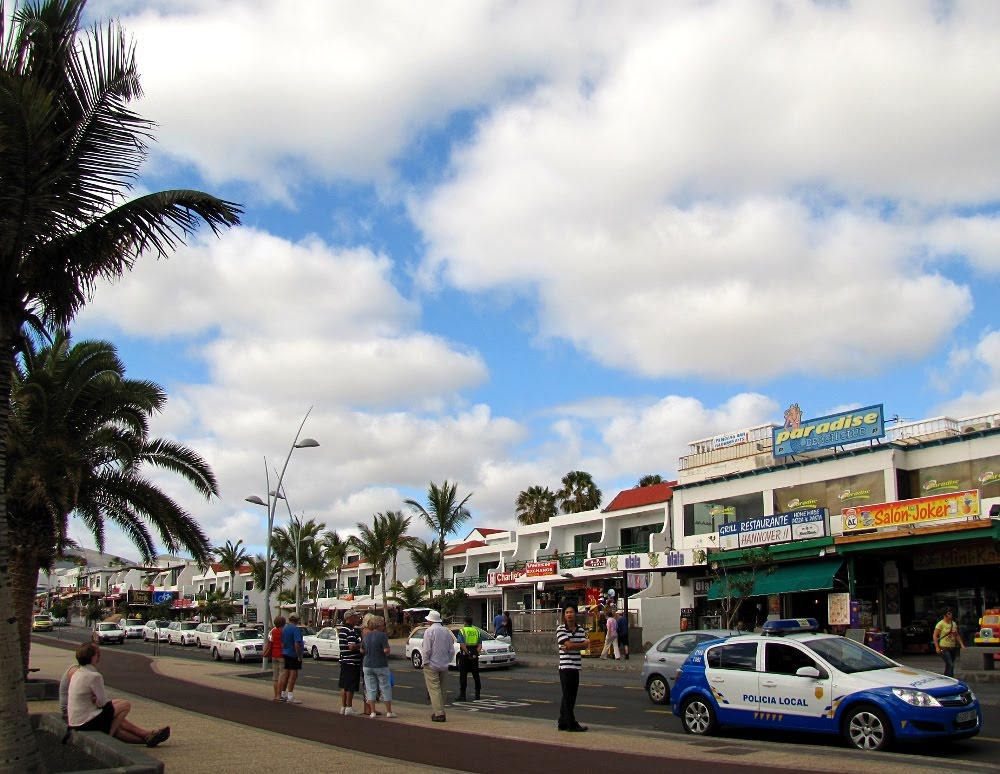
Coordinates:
[948,641]
[468,658]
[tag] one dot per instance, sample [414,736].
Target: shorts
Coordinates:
[350,677]
[377,681]
[100,723]
[292,664]
[277,667]
[623,640]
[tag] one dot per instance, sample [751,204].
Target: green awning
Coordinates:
[785,579]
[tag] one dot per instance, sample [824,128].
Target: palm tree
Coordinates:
[396,525]
[335,549]
[408,596]
[649,480]
[279,573]
[231,558]
[79,445]
[443,514]
[288,541]
[71,148]
[373,545]
[579,493]
[426,558]
[535,505]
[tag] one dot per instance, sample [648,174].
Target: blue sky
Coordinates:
[496,242]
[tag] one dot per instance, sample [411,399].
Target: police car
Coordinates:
[792,677]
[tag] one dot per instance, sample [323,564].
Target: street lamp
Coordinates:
[299,540]
[305,443]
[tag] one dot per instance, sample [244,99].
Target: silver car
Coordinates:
[659,668]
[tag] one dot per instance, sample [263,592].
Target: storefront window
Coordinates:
[706,518]
[632,536]
[581,542]
[982,474]
[834,494]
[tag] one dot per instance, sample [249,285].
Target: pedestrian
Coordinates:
[468,659]
[508,626]
[86,707]
[291,651]
[272,649]
[948,641]
[375,647]
[350,662]
[623,633]
[611,636]
[571,638]
[437,652]
[498,628]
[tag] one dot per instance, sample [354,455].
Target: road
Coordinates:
[534,693]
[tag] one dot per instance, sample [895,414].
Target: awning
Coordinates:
[787,579]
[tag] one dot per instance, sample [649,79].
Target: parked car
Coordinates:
[41,623]
[239,645]
[155,631]
[792,677]
[323,644]
[181,632]
[492,652]
[132,627]
[664,658]
[108,633]
[59,621]
[205,633]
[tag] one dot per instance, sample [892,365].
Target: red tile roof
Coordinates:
[461,548]
[352,565]
[642,495]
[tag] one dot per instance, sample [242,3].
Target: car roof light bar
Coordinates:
[790,626]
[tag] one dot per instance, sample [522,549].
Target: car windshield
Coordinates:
[246,634]
[107,627]
[163,624]
[189,625]
[219,627]
[133,622]
[848,656]
[42,618]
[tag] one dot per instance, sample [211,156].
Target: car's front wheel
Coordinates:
[215,654]
[315,653]
[867,728]
[416,659]
[238,657]
[658,690]
[698,717]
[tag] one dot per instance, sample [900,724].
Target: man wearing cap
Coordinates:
[350,662]
[437,652]
[292,647]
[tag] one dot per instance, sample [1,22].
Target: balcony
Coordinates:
[469,581]
[635,548]
[566,561]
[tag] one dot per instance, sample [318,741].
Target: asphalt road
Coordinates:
[606,697]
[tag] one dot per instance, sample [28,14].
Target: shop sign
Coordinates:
[959,556]
[596,563]
[798,436]
[159,597]
[530,570]
[729,439]
[701,586]
[675,559]
[536,569]
[838,608]
[779,528]
[139,597]
[916,512]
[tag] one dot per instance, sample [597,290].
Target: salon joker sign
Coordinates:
[913,512]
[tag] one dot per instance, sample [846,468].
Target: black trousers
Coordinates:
[569,680]
[466,665]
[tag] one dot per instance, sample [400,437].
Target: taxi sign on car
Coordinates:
[791,677]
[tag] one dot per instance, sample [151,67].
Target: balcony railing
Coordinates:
[469,581]
[566,561]
[634,548]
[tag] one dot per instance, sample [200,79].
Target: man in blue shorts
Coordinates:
[291,650]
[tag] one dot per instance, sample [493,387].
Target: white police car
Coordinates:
[792,677]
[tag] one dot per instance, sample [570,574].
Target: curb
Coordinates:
[119,757]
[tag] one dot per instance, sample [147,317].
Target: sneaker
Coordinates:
[390,714]
[350,711]
[577,728]
[292,701]
[158,736]
[373,716]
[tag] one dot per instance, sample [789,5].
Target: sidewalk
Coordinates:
[242,727]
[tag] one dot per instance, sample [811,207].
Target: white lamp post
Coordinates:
[299,540]
[305,443]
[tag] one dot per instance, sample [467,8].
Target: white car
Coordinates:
[181,633]
[155,631]
[108,634]
[132,627]
[323,644]
[205,633]
[239,645]
[492,651]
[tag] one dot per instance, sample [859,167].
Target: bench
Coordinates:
[979,658]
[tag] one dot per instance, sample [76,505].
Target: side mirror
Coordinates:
[807,671]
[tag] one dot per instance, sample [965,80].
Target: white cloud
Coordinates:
[977,371]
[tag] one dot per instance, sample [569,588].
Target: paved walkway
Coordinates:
[221,722]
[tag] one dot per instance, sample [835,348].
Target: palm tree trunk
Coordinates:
[24,582]
[18,747]
[442,561]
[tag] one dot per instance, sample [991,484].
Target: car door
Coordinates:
[792,700]
[731,674]
[226,645]
[328,643]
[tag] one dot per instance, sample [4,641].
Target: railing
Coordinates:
[468,581]
[566,561]
[635,548]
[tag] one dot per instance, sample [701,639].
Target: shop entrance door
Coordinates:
[963,602]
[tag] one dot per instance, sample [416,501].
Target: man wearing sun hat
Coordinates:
[437,652]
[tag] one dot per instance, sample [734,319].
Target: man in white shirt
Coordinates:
[86,706]
[437,652]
